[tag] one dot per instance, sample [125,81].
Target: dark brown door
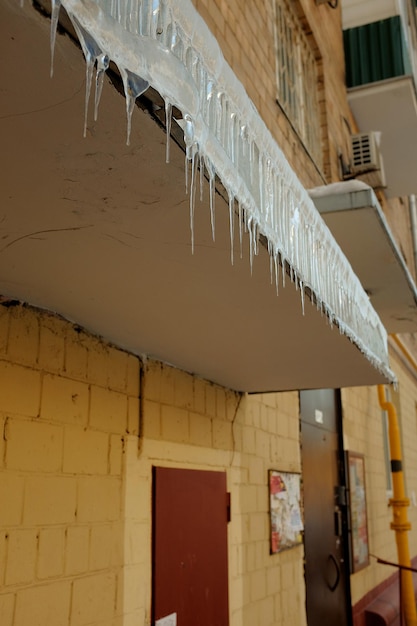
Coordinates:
[325,514]
[190,579]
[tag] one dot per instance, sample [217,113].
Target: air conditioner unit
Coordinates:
[367,163]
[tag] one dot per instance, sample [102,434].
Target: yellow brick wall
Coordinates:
[406,404]
[362,419]
[68,404]
[75,478]
[191,423]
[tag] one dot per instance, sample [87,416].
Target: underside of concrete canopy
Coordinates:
[99,232]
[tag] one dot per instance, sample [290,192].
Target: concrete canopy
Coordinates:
[99,232]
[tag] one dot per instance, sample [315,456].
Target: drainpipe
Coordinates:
[413,222]
[399,503]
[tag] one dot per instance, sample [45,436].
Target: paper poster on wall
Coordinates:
[358,515]
[285,510]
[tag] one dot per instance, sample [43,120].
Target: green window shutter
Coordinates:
[375,52]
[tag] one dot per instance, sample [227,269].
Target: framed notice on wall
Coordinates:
[285,510]
[357,507]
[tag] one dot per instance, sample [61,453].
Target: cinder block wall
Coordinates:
[75,478]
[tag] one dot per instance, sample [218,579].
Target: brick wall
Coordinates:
[363,433]
[75,481]
[193,423]
[67,404]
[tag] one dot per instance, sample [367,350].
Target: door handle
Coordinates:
[333,586]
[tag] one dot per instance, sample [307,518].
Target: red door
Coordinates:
[190,578]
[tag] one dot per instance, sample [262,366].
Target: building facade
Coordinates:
[104,418]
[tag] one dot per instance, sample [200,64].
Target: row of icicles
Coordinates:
[135,86]
[267,188]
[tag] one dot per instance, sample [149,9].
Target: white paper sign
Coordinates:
[169,620]
[318,416]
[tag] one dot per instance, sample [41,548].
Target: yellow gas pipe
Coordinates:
[399,503]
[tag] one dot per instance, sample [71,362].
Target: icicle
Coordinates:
[245,221]
[186,174]
[251,159]
[153,14]
[91,52]
[141,20]
[234,139]
[159,24]
[188,127]
[191,152]
[212,193]
[121,13]
[89,74]
[134,87]
[219,111]
[209,102]
[269,195]
[192,198]
[276,263]
[103,62]
[250,226]
[168,121]
[118,11]
[133,17]
[244,139]
[261,183]
[55,7]
[231,223]
[240,229]
[201,168]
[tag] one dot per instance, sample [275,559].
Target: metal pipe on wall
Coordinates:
[399,503]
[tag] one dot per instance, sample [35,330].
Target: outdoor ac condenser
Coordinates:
[367,162]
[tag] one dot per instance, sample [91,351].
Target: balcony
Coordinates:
[352,212]
[380,45]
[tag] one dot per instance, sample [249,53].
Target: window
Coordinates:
[297,76]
